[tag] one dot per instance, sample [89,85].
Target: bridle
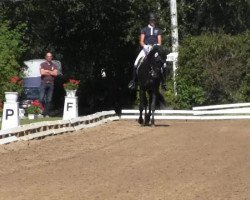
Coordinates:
[155,67]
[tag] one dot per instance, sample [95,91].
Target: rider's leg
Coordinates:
[132,83]
[142,54]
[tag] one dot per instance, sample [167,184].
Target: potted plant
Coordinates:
[13,88]
[71,87]
[34,109]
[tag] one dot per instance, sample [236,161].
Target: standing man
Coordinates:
[150,35]
[48,72]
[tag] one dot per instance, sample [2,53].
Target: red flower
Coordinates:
[16,84]
[76,82]
[71,85]
[16,80]
[38,104]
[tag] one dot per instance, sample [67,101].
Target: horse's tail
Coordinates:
[160,100]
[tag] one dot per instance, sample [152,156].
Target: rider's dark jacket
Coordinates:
[151,34]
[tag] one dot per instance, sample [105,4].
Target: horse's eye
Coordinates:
[156,54]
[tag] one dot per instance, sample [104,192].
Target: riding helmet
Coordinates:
[152,16]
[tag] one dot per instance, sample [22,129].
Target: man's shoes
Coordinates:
[45,115]
[132,85]
[164,86]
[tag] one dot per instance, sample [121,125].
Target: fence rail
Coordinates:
[46,128]
[215,112]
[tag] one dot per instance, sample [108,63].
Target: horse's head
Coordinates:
[156,58]
[150,69]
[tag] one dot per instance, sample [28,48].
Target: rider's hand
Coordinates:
[164,86]
[147,48]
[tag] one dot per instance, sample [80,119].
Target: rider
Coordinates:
[150,35]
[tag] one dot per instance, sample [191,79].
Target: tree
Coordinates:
[196,17]
[88,36]
[213,69]
[12,48]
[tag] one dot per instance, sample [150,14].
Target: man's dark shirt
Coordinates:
[151,34]
[48,66]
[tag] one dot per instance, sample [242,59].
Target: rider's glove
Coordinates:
[147,48]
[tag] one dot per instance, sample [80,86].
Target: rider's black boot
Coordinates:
[132,83]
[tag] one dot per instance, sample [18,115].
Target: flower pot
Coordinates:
[70,93]
[32,116]
[11,97]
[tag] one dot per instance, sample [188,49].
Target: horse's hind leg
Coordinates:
[153,118]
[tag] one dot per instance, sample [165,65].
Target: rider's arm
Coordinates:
[142,38]
[159,38]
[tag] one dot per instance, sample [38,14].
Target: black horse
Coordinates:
[150,75]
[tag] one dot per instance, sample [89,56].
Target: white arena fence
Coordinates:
[216,112]
[47,128]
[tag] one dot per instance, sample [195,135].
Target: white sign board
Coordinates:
[10,117]
[172,57]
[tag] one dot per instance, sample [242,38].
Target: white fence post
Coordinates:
[70,110]
[10,118]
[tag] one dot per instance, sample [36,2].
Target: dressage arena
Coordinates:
[121,160]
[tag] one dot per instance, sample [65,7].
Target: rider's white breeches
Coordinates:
[146,49]
[140,56]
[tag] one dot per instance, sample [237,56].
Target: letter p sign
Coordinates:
[9,112]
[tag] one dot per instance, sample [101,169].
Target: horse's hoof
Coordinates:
[152,122]
[147,120]
[147,123]
[140,121]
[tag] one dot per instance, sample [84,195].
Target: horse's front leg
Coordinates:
[147,119]
[141,107]
[153,108]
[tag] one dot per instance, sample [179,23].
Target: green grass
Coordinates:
[29,121]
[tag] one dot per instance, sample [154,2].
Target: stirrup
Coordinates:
[131,85]
[164,86]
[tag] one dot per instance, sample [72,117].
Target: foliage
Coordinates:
[11,51]
[1,108]
[213,69]
[35,108]
[96,35]
[71,85]
[197,17]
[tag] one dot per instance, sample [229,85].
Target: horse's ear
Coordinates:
[167,50]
